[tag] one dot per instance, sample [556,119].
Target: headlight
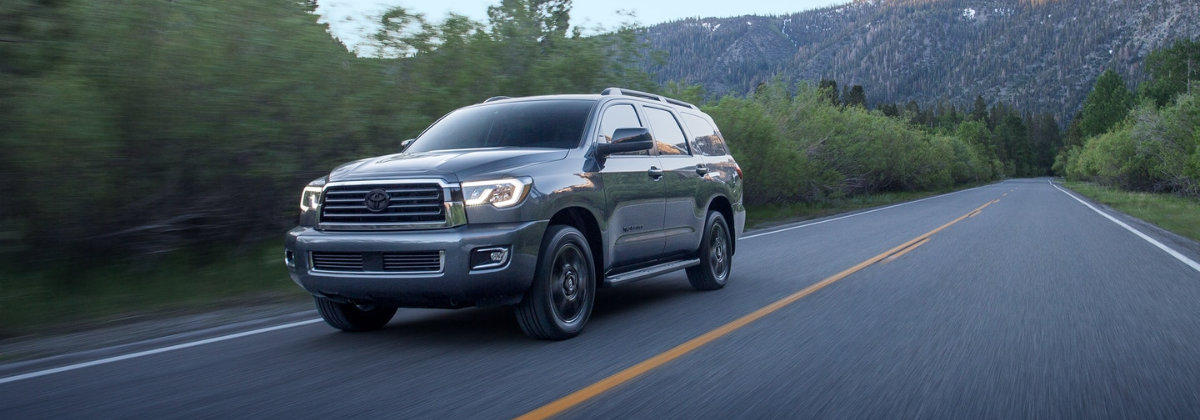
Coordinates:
[310,202]
[310,199]
[499,193]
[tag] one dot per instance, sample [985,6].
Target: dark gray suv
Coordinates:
[533,202]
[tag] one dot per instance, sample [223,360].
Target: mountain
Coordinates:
[1040,55]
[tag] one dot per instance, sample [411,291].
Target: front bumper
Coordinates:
[455,285]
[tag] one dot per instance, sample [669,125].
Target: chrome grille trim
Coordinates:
[414,204]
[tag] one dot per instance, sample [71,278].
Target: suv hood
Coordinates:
[451,165]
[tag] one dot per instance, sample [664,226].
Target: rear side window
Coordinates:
[707,140]
[554,124]
[668,136]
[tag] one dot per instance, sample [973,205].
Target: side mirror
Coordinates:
[626,140]
[404,144]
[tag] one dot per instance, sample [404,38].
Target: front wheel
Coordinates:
[560,300]
[354,318]
[715,255]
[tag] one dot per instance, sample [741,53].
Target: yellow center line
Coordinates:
[893,257]
[604,385]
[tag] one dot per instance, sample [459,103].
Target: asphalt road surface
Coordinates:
[1013,300]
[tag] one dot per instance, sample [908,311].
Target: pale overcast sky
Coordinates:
[350,20]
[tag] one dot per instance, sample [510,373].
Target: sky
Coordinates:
[351,20]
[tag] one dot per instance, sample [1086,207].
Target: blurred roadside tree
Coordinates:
[145,126]
[526,48]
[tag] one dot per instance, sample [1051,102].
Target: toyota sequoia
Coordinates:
[532,202]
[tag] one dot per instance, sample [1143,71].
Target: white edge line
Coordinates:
[153,352]
[1152,241]
[854,214]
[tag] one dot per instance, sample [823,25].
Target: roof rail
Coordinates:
[496,98]
[645,95]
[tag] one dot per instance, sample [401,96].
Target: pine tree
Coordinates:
[1108,104]
[857,97]
[829,91]
[980,112]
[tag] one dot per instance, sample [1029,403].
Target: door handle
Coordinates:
[655,173]
[701,169]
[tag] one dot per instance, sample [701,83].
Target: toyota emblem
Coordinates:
[377,200]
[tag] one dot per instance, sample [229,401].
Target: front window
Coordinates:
[555,124]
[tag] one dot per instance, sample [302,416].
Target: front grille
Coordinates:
[406,204]
[390,262]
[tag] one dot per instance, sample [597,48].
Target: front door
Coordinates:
[634,186]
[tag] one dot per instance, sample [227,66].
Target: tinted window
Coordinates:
[707,140]
[556,124]
[619,116]
[667,134]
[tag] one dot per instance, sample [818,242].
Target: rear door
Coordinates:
[684,217]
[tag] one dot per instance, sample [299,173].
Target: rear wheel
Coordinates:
[559,302]
[351,317]
[715,255]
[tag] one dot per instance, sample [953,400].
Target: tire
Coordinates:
[559,302]
[351,317]
[716,260]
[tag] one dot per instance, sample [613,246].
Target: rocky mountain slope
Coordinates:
[1040,55]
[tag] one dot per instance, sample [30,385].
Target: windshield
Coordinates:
[553,123]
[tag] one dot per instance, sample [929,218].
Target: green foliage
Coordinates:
[1106,106]
[694,94]
[526,48]
[1111,159]
[1171,70]
[796,146]
[780,173]
[1155,150]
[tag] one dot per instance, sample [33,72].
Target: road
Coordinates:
[1012,300]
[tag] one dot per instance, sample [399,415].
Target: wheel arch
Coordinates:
[585,222]
[722,205]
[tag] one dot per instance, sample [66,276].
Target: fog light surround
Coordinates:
[289,258]
[489,257]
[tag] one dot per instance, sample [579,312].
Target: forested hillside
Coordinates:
[1040,56]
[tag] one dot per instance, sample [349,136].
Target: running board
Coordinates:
[639,274]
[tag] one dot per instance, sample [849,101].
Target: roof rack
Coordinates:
[496,98]
[645,95]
